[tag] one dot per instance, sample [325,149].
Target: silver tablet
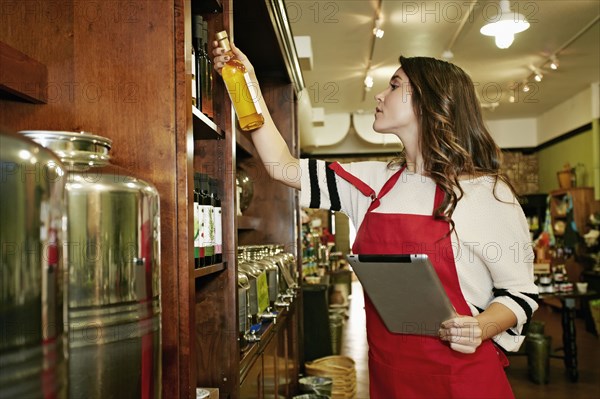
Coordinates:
[405,290]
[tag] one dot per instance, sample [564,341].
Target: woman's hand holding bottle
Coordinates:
[221,57]
[252,111]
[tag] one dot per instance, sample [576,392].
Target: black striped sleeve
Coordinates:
[334,196]
[315,194]
[520,301]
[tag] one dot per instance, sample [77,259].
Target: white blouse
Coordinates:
[491,243]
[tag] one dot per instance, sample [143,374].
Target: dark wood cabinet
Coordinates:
[253,386]
[269,369]
[123,71]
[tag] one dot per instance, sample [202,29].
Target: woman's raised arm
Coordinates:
[272,148]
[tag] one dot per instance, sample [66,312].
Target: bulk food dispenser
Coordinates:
[113,261]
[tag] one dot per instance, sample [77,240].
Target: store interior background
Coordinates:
[83,45]
[541,132]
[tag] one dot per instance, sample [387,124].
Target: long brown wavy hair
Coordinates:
[454,140]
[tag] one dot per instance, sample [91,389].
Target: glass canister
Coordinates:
[243,307]
[32,278]
[252,275]
[287,283]
[113,260]
[258,254]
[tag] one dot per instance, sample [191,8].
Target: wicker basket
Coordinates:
[342,371]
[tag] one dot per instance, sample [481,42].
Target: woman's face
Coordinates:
[394,112]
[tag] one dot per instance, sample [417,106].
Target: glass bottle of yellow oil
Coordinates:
[242,91]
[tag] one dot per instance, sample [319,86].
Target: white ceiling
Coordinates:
[341,32]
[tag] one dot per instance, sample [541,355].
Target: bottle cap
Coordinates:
[223,40]
[221,35]
[197,26]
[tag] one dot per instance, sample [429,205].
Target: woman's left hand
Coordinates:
[463,333]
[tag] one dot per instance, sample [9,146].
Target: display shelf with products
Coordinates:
[165,140]
[570,204]
[534,206]
[268,367]
[208,270]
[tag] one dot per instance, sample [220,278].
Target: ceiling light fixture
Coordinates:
[368,82]
[506,24]
[448,55]
[537,73]
[377,31]
[551,60]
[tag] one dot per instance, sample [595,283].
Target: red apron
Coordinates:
[416,366]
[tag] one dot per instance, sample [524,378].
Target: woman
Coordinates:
[443,196]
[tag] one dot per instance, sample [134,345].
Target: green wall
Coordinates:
[578,151]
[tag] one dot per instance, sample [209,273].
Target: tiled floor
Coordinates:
[354,345]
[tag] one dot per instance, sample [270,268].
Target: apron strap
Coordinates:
[367,191]
[385,189]
[355,181]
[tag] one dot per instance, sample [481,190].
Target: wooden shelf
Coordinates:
[266,333]
[204,128]
[22,77]
[245,147]
[248,223]
[208,270]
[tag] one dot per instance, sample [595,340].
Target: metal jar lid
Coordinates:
[73,147]
[243,281]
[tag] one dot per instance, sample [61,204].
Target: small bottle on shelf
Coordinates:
[207,76]
[244,95]
[218,255]
[194,80]
[207,225]
[197,223]
[197,61]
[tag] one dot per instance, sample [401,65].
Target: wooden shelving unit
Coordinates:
[204,128]
[582,200]
[268,368]
[208,270]
[248,223]
[245,147]
[142,102]
[22,77]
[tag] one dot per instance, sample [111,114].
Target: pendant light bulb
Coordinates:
[505,26]
[504,40]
